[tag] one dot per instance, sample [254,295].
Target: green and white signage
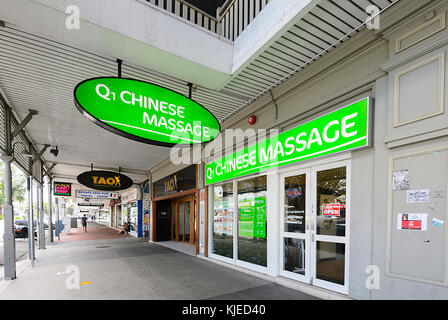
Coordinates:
[252,217]
[145,112]
[344,129]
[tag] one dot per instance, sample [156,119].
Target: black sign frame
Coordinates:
[105,180]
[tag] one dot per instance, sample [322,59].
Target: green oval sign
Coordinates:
[145,112]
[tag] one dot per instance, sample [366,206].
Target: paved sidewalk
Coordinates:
[95,231]
[125,268]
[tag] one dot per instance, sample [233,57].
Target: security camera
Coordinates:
[55,151]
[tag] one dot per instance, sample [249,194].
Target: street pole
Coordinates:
[56,208]
[30,220]
[40,204]
[50,226]
[9,244]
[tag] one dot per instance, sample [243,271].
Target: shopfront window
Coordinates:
[252,243]
[331,202]
[223,220]
[295,205]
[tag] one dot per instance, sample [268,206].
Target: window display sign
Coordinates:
[345,129]
[62,189]
[252,217]
[223,218]
[105,180]
[332,209]
[145,112]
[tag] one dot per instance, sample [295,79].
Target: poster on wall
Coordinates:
[252,217]
[417,196]
[401,180]
[412,221]
[146,222]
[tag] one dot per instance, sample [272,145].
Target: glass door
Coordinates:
[314,226]
[183,221]
[330,231]
[295,231]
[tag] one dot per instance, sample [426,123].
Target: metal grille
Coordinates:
[2,127]
[20,146]
[37,170]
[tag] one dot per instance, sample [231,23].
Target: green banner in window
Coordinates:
[344,129]
[252,217]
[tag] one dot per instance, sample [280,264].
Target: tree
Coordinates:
[18,184]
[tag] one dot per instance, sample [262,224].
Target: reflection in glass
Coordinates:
[174,218]
[295,203]
[252,243]
[330,261]
[331,200]
[294,255]
[187,222]
[223,220]
[181,221]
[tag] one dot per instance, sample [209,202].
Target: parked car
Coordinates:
[24,222]
[21,231]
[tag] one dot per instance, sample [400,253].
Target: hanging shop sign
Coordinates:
[145,112]
[347,128]
[89,194]
[90,204]
[182,180]
[105,180]
[62,189]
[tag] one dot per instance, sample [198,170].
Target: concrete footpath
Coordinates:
[122,267]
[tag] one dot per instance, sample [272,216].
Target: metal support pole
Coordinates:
[58,224]
[9,244]
[31,220]
[50,209]
[40,210]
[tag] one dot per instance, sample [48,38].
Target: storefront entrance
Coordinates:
[314,225]
[183,220]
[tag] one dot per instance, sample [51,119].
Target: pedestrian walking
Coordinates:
[84,223]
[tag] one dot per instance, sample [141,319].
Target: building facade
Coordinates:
[367,223]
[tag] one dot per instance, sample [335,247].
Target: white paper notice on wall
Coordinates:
[418,196]
[401,180]
[412,221]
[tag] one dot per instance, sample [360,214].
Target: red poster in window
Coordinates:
[332,209]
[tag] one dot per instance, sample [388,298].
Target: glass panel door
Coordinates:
[329,246]
[295,231]
[222,220]
[187,221]
[181,221]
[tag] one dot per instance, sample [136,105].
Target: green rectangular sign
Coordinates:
[252,217]
[344,129]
